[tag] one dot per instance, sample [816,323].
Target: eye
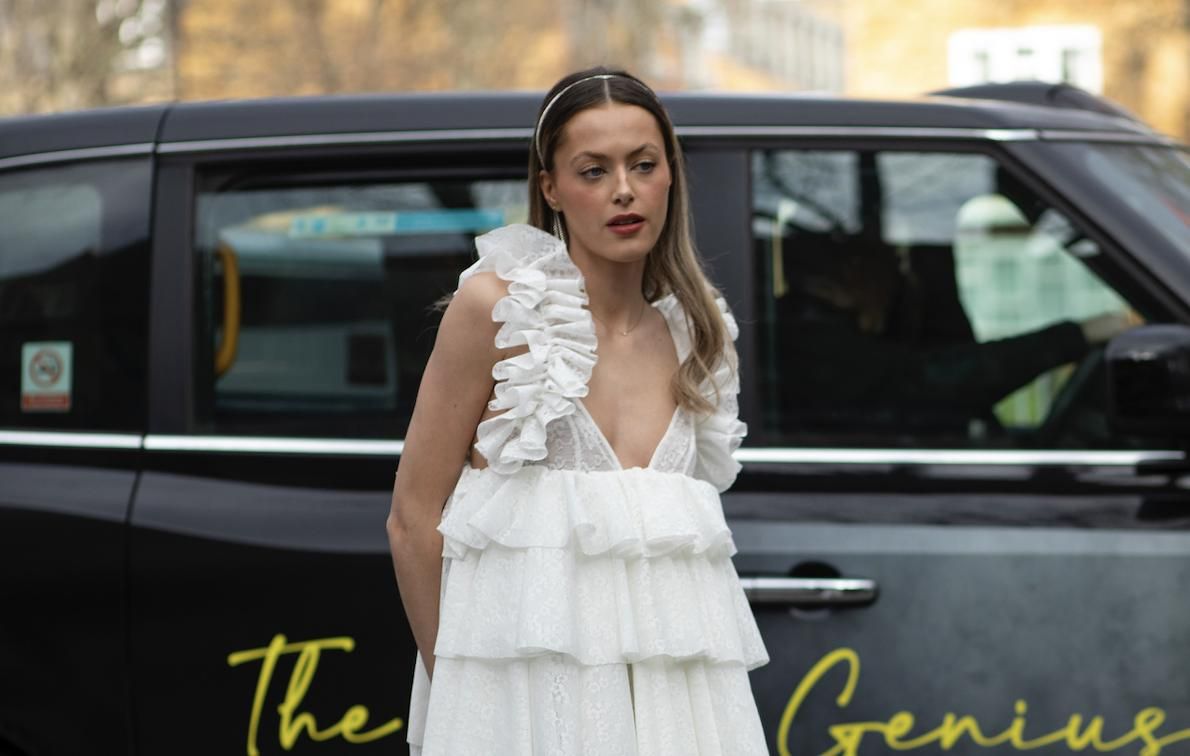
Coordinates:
[646,166]
[593,172]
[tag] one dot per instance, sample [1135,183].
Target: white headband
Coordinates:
[550,104]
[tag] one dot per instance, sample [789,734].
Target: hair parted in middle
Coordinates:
[674,265]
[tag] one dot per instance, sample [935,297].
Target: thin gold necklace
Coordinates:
[639,317]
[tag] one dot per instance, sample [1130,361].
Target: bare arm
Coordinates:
[450,402]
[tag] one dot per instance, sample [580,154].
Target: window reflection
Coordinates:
[318,300]
[925,299]
[74,265]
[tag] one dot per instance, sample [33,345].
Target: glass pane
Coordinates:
[1154,181]
[922,193]
[74,296]
[319,300]
[940,303]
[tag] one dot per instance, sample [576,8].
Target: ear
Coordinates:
[545,182]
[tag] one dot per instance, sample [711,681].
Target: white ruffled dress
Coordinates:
[586,609]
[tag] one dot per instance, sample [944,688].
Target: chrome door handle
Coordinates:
[809,591]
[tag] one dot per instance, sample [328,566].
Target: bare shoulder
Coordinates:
[479,294]
[467,322]
[468,316]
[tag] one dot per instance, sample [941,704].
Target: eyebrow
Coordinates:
[601,156]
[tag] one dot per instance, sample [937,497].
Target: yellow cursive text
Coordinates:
[294,722]
[1076,734]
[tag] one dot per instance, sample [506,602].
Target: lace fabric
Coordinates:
[586,608]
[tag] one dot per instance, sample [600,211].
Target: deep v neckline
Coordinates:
[607,445]
[673,419]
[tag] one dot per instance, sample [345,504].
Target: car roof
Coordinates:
[189,122]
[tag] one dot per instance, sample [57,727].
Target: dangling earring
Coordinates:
[558,230]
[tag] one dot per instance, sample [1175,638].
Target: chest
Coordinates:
[630,398]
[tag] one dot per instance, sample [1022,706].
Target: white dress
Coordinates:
[586,609]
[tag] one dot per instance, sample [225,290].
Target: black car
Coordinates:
[964,511]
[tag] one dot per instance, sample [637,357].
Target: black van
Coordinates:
[964,513]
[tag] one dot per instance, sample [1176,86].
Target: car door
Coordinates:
[296,296]
[947,545]
[74,267]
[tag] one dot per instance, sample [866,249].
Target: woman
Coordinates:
[578,415]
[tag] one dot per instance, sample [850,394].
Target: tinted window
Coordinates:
[74,296]
[318,297]
[926,299]
[1153,181]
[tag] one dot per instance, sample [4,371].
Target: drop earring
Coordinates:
[558,230]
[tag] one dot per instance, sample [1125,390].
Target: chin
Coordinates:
[619,250]
[627,252]
[630,249]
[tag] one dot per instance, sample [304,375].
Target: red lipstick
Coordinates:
[626,224]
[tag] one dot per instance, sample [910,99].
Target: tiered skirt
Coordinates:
[588,614]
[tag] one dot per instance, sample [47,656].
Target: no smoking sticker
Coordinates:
[46,376]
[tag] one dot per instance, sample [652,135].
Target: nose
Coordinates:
[623,189]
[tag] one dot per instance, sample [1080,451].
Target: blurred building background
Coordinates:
[66,54]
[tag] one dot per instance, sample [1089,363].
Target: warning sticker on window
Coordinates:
[45,376]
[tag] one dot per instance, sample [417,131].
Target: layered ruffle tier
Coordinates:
[552,706]
[604,567]
[593,613]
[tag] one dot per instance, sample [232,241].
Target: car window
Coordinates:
[925,299]
[318,297]
[74,296]
[1153,181]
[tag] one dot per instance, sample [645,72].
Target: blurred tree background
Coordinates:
[69,54]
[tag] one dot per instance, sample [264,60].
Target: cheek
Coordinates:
[659,190]
[586,200]
[572,191]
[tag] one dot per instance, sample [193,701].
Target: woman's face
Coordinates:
[610,181]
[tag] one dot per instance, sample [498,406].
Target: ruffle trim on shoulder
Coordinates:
[605,567]
[719,433]
[543,311]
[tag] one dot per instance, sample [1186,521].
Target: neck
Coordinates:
[613,288]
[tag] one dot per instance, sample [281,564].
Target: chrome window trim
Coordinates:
[521,134]
[844,456]
[71,439]
[913,132]
[322,140]
[510,134]
[66,156]
[1156,140]
[747,455]
[756,132]
[896,132]
[274,445]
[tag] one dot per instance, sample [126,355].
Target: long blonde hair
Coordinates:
[674,265]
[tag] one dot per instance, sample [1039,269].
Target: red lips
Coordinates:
[625,219]
[626,224]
